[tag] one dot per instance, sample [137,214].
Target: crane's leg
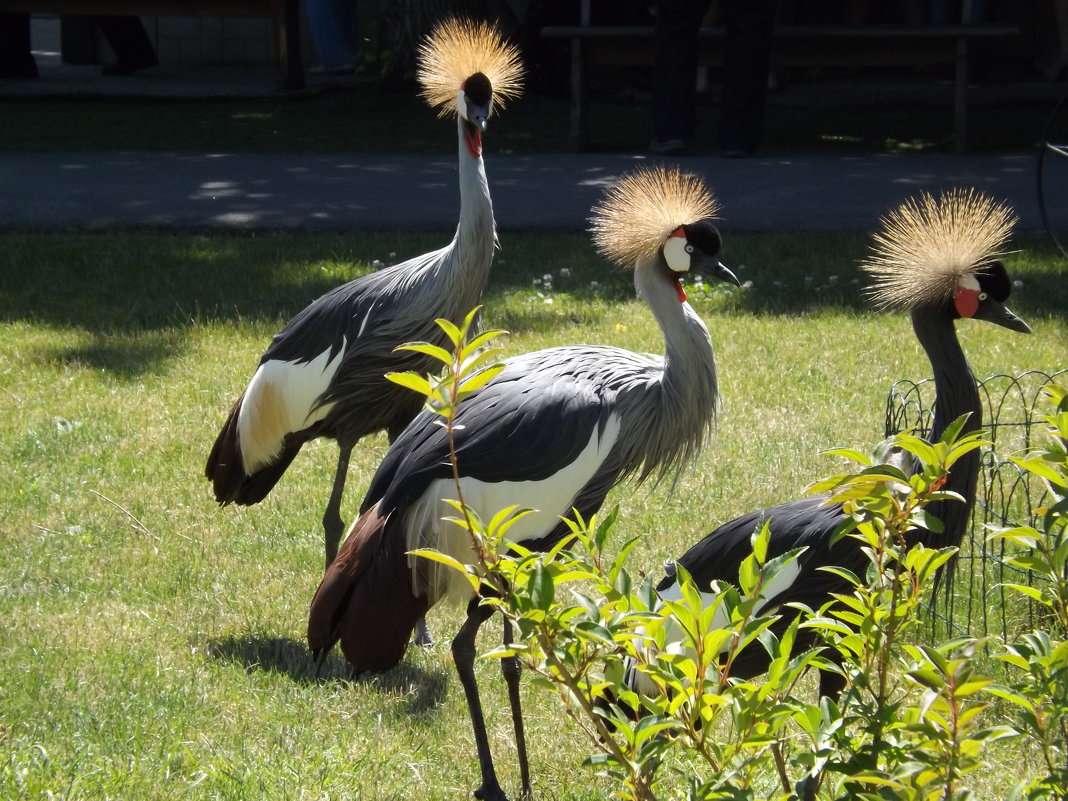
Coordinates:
[333,525]
[510,669]
[423,638]
[830,686]
[463,655]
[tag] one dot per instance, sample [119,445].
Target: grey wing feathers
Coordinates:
[534,417]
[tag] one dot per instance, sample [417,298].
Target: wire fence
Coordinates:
[1006,496]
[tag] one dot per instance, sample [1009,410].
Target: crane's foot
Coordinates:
[423,638]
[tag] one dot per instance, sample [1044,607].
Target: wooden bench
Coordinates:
[285,15]
[793,46]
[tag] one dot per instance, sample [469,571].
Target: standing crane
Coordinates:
[940,260]
[554,431]
[324,373]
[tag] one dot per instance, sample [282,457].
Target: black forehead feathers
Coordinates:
[704,236]
[994,280]
[478,89]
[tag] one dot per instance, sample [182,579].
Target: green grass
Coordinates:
[152,645]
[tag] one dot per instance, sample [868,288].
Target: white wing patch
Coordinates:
[280,400]
[550,499]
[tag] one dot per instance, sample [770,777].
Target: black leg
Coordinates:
[423,638]
[463,654]
[830,686]
[510,669]
[333,525]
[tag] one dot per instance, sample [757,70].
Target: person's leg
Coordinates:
[331,25]
[746,65]
[128,38]
[675,69]
[16,60]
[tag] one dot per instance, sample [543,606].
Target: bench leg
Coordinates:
[960,98]
[579,138]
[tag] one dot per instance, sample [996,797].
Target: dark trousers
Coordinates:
[746,62]
[129,40]
[16,60]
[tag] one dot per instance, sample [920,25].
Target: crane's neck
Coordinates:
[476,234]
[689,390]
[955,394]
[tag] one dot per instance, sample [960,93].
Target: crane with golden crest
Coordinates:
[323,374]
[940,259]
[552,432]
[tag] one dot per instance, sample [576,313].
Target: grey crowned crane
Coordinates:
[554,431]
[323,374]
[940,260]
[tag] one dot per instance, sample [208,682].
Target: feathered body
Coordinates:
[323,374]
[937,257]
[555,430]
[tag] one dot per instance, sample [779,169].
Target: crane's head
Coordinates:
[945,254]
[694,248]
[661,214]
[466,67]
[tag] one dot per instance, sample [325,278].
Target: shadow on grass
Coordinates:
[422,690]
[137,294]
[126,356]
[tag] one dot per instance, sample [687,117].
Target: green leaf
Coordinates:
[479,380]
[542,588]
[433,351]
[411,381]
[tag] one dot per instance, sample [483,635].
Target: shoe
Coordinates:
[340,69]
[670,147]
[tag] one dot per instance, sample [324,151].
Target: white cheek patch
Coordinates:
[969,282]
[461,104]
[676,255]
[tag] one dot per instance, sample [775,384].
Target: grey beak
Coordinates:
[994,312]
[477,115]
[714,268]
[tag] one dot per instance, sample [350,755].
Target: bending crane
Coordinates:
[940,260]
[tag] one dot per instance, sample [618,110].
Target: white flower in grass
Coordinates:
[565,272]
[1016,282]
[747,285]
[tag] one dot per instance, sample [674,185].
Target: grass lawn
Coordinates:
[152,645]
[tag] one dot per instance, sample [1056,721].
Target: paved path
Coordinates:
[340,192]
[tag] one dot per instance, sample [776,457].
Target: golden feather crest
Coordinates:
[458,48]
[639,213]
[927,245]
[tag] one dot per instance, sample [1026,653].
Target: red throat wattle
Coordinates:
[680,290]
[473,138]
[966,300]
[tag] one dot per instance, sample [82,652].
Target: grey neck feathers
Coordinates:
[682,417]
[466,264]
[955,394]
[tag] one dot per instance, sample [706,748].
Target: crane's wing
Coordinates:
[808,523]
[363,307]
[526,424]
